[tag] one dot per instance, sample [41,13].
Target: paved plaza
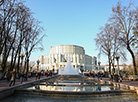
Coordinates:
[126,82]
[5,83]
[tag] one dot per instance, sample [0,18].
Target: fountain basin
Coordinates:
[27,94]
[74,86]
[68,94]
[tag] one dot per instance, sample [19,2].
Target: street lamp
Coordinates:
[113,62]
[38,65]
[117,59]
[99,65]
[22,56]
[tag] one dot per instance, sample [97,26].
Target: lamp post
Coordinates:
[99,65]
[38,65]
[22,56]
[117,59]
[113,62]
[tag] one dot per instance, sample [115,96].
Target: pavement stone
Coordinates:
[5,83]
[126,82]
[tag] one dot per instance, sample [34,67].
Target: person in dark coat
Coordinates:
[12,81]
[116,77]
[22,76]
[112,77]
[36,75]
[39,74]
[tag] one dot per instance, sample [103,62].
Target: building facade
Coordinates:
[58,58]
[121,67]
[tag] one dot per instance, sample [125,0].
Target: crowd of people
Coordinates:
[12,76]
[93,74]
[113,77]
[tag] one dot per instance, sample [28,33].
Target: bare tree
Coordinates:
[8,12]
[135,32]
[126,17]
[17,27]
[33,40]
[108,43]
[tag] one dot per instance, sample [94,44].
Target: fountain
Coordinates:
[68,69]
[72,88]
[69,86]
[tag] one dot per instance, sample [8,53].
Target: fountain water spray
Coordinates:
[68,69]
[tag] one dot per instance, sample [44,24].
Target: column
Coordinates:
[77,58]
[59,58]
[51,58]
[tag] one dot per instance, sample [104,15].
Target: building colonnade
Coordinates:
[59,54]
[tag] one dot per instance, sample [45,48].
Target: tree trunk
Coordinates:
[133,57]
[109,65]
[27,64]
[3,66]
[113,66]
[11,66]
[18,63]
[15,57]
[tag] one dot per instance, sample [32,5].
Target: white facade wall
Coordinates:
[94,62]
[58,57]
[88,62]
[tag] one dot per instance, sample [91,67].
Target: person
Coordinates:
[12,79]
[121,78]
[98,74]
[22,76]
[2,76]
[39,74]
[36,75]
[101,75]
[116,77]
[47,74]
[25,76]
[19,75]
[57,71]
[8,75]
[53,70]
[111,77]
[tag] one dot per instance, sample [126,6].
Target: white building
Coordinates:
[58,58]
[121,67]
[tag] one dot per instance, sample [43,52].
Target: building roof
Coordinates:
[69,45]
[115,65]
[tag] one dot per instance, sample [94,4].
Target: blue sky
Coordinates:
[72,22]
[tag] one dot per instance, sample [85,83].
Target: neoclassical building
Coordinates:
[58,58]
